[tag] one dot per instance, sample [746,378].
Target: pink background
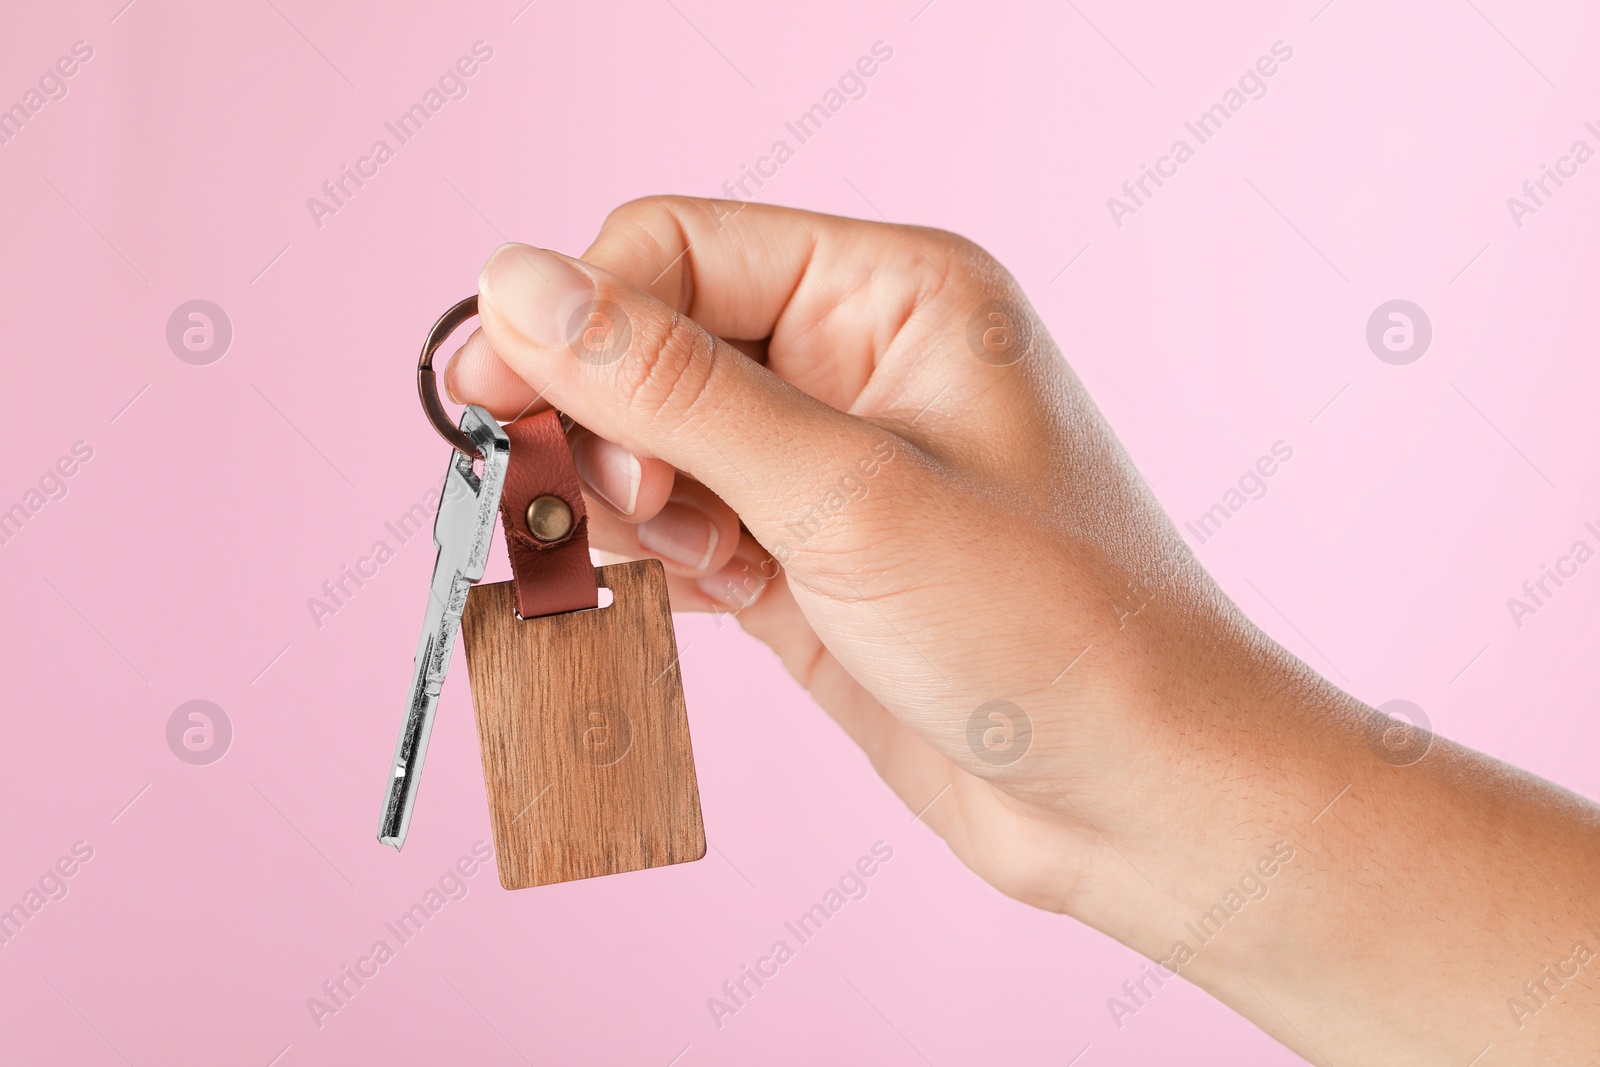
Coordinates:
[1227,314]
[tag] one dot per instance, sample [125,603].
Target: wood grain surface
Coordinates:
[583,731]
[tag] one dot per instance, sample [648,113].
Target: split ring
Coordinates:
[427,383]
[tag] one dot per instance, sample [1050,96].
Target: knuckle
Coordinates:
[983,298]
[952,268]
[638,237]
[959,255]
[638,213]
[959,246]
[630,231]
[658,219]
[673,366]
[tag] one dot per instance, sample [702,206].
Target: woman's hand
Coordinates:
[860,438]
[944,543]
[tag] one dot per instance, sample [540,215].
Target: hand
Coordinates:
[936,525]
[860,439]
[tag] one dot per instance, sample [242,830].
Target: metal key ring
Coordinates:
[427,383]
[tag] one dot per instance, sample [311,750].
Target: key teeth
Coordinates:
[472,517]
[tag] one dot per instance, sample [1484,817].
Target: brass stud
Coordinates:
[549,518]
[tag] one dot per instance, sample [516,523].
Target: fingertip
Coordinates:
[656,481]
[693,537]
[609,472]
[532,292]
[477,375]
[464,368]
[737,585]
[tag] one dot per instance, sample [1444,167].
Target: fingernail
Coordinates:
[610,470]
[534,292]
[681,534]
[737,585]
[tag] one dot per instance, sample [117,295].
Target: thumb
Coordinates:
[641,374]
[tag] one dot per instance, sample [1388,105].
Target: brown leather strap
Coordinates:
[554,576]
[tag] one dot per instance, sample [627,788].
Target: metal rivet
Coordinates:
[549,518]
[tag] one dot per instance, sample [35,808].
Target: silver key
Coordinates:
[462,532]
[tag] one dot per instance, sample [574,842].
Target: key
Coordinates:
[462,532]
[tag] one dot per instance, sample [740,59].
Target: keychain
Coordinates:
[580,711]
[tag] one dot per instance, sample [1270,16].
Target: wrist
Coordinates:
[1287,868]
[1232,763]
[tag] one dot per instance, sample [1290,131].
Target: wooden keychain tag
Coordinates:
[580,709]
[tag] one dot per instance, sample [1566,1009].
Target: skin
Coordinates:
[921,519]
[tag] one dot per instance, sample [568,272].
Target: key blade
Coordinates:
[462,532]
